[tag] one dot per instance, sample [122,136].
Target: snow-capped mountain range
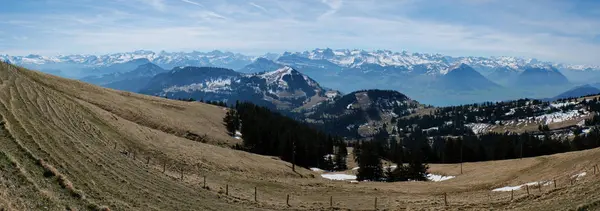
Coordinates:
[163,59]
[342,57]
[424,77]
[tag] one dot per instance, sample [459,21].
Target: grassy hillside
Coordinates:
[69,145]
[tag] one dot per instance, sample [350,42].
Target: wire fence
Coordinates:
[159,161]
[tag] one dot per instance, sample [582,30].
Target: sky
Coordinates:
[566,31]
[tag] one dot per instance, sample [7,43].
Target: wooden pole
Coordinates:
[554,183]
[255,192]
[287,200]
[164,166]
[512,194]
[331,201]
[227,189]
[375,203]
[527,187]
[204,186]
[540,186]
[446,199]
[181,173]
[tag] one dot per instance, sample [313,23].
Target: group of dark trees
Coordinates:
[410,159]
[499,146]
[268,133]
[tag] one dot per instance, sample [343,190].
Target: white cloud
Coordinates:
[329,23]
[258,6]
[193,2]
[334,6]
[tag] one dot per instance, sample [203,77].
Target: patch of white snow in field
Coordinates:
[508,188]
[317,169]
[518,187]
[338,176]
[559,116]
[577,176]
[438,178]
[560,105]
[479,128]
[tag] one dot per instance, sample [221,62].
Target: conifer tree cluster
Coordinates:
[268,133]
[410,161]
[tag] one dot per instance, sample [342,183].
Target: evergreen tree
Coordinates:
[340,156]
[370,163]
[231,120]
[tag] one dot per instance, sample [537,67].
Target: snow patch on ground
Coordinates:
[577,176]
[518,187]
[557,117]
[317,170]
[560,105]
[338,176]
[479,128]
[438,178]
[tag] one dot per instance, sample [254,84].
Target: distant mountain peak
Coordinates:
[455,67]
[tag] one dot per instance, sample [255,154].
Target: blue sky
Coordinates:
[560,31]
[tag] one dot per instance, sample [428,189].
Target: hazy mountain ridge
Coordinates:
[422,76]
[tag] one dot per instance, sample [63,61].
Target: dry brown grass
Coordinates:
[69,128]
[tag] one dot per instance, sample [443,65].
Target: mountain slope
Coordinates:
[131,81]
[261,65]
[579,91]
[361,112]
[462,77]
[87,138]
[541,76]
[284,88]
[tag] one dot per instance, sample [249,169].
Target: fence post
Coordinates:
[446,199]
[181,173]
[287,200]
[227,189]
[540,186]
[331,201]
[512,194]
[255,193]
[527,186]
[148,160]
[204,186]
[375,203]
[554,183]
[164,166]
[115,147]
